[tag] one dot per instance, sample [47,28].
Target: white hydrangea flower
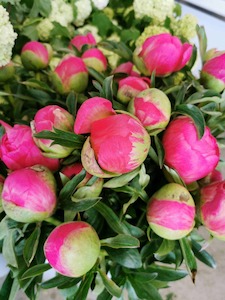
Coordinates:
[84,10]
[185,27]
[61,12]
[158,10]
[7,37]
[90,28]
[100,4]
[44,28]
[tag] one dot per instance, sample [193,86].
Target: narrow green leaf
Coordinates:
[121,180]
[69,188]
[71,103]
[166,247]
[143,276]
[84,287]
[195,113]
[203,255]
[129,258]
[6,287]
[38,85]
[81,205]
[189,257]
[14,289]
[35,271]
[110,285]
[58,281]
[202,41]
[121,241]
[145,290]
[105,295]
[108,88]
[166,273]
[95,74]
[8,250]
[111,218]
[31,245]
[4,227]
[160,151]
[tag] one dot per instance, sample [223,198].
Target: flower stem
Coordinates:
[53,221]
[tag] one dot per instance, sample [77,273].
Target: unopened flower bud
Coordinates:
[95,59]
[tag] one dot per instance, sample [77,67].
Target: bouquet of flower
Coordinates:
[110,147]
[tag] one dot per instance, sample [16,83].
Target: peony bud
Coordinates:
[91,110]
[48,118]
[118,144]
[213,73]
[126,68]
[7,72]
[171,212]
[72,248]
[81,40]
[212,207]
[162,54]
[35,56]
[29,194]
[18,149]
[70,75]
[129,87]
[191,157]
[94,58]
[153,108]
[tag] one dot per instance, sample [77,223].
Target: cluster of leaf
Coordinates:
[132,258]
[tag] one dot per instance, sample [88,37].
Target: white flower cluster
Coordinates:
[185,27]
[7,37]
[83,11]
[61,12]
[100,4]
[44,29]
[158,10]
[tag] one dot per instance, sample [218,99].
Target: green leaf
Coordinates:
[145,290]
[196,115]
[6,287]
[59,30]
[84,287]
[4,227]
[119,48]
[95,74]
[189,257]
[37,85]
[35,271]
[14,289]
[111,218]
[121,241]
[102,22]
[31,245]
[44,7]
[107,88]
[166,247]
[203,255]
[71,103]
[166,273]
[105,295]
[129,258]
[202,37]
[81,205]
[64,138]
[8,250]
[160,151]
[121,180]
[143,276]
[129,34]
[110,285]
[58,281]
[69,188]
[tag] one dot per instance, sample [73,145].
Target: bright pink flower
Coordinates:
[95,59]
[129,87]
[72,170]
[120,144]
[48,118]
[72,248]
[70,75]
[213,73]
[81,40]
[127,68]
[91,110]
[162,53]
[171,212]
[18,149]
[212,208]
[29,195]
[35,56]
[191,157]
[152,107]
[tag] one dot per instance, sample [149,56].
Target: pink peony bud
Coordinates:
[212,207]
[48,118]
[7,72]
[213,73]
[126,68]
[153,108]
[70,75]
[81,40]
[118,144]
[29,194]
[35,56]
[18,149]
[171,212]
[191,157]
[129,87]
[94,58]
[72,248]
[91,110]
[162,53]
